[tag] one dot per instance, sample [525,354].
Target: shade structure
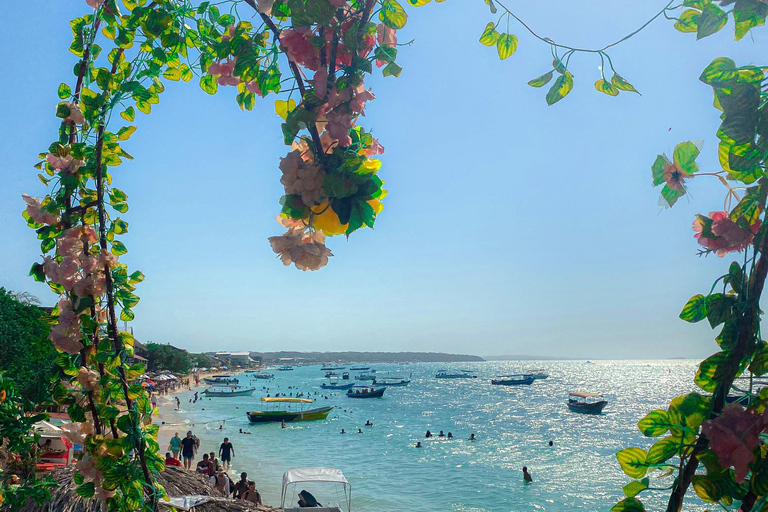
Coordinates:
[317,474]
[584,394]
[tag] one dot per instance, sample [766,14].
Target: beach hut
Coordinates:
[58,452]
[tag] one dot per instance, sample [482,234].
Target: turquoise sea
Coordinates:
[513,426]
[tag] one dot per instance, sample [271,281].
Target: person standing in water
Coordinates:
[526,475]
[188,448]
[175,445]
[224,451]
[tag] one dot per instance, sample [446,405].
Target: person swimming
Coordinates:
[342,431]
[418,444]
[472,436]
[428,434]
[450,436]
[441,434]
[526,475]
[551,443]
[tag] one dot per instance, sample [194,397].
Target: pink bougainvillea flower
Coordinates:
[229,34]
[66,334]
[339,124]
[87,467]
[321,83]
[253,86]
[75,114]
[76,434]
[357,103]
[386,35]
[733,436]
[95,4]
[37,213]
[58,162]
[299,48]
[69,273]
[375,149]
[729,236]
[224,72]
[106,260]
[265,6]
[88,379]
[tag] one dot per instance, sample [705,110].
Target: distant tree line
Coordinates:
[26,354]
[176,360]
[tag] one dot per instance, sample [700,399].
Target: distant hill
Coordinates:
[526,358]
[363,357]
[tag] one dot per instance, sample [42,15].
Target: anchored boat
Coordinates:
[280,409]
[366,392]
[229,391]
[335,384]
[221,379]
[586,403]
[513,380]
[462,374]
[537,374]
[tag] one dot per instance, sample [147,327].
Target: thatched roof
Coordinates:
[177,482]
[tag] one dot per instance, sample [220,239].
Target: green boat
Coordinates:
[285,413]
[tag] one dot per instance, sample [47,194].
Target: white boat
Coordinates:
[365,376]
[461,374]
[537,374]
[229,391]
[392,381]
[285,369]
[316,479]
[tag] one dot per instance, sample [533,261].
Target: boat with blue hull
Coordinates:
[513,380]
[336,385]
[366,392]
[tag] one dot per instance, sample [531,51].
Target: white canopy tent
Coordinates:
[316,474]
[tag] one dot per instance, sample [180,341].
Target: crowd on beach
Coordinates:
[215,465]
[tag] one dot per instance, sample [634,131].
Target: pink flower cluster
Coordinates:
[734,436]
[88,379]
[75,114]
[729,236]
[66,334]
[224,73]
[300,245]
[302,176]
[65,164]
[37,213]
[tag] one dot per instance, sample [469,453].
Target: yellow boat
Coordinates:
[285,413]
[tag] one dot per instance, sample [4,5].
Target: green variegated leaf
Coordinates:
[712,370]
[628,505]
[688,21]
[633,462]
[695,309]
[606,87]
[490,35]
[685,157]
[560,89]
[706,489]
[712,19]
[620,83]
[634,488]
[662,450]
[657,169]
[506,45]
[655,423]
[720,70]
[541,81]
[392,14]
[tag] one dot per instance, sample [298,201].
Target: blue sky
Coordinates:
[510,227]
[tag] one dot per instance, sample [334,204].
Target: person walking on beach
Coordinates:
[175,445]
[526,475]
[226,452]
[241,487]
[188,449]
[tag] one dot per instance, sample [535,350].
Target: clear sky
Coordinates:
[510,227]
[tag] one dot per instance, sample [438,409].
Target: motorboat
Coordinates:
[328,367]
[316,479]
[537,374]
[366,392]
[287,409]
[586,403]
[461,374]
[263,375]
[328,375]
[513,380]
[391,381]
[365,376]
[221,379]
[335,384]
[229,391]
[345,376]
[360,368]
[285,369]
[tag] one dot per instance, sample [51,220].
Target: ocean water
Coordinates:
[513,426]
